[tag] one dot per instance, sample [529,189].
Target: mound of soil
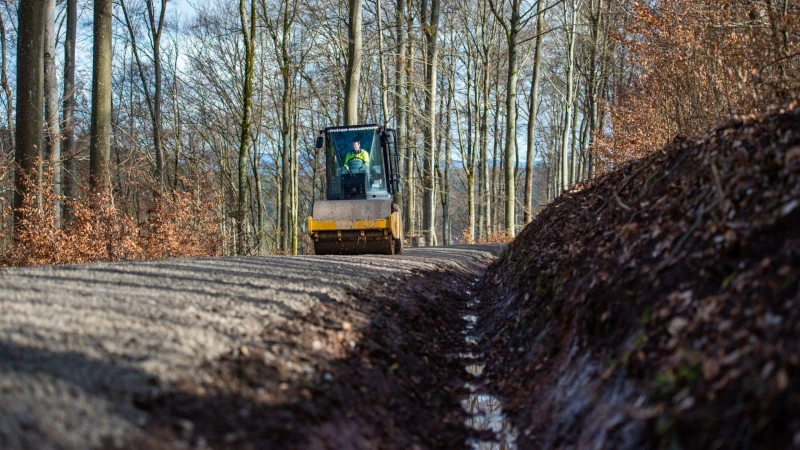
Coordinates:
[658,306]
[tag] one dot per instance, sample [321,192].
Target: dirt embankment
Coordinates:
[658,307]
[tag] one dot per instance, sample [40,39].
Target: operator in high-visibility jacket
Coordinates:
[357,153]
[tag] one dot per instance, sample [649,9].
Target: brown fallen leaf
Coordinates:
[676,325]
[782,378]
[710,369]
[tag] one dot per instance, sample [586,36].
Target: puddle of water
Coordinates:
[475,370]
[485,410]
[487,415]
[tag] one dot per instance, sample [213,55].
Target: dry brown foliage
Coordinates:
[498,237]
[182,225]
[680,273]
[179,224]
[694,64]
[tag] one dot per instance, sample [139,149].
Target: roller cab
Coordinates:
[361,214]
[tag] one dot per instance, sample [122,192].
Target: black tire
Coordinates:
[398,246]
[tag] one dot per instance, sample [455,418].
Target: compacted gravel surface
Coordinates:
[92,355]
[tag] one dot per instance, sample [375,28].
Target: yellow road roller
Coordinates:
[361,213]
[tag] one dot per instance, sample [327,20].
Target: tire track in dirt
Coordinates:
[320,352]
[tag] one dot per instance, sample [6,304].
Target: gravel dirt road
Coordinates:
[294,352]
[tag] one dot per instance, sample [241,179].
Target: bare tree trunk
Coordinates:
[573,154]
[70,183]
[485,219]
[469,157]
[100,140]
[353,76]
[156,28]
[6,87]
[593,81]
[400,97]
[30,88]
[445,180]
[53,122]
[511,27]
[176,105]
[259,201]
[533,109]
[248,33]
[568,105]
[493,185]
[430,35]
[286,163]
[153,101]
[295,191]
[384,79]
[411,136]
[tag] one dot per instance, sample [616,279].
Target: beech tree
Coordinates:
[202,106]
[100,144]
[353,76]
[30,101]
[248,20]
[430,27]
[533,110]
[52,99]
[68,130]
[155,20]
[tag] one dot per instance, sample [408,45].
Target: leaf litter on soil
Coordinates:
[658,306]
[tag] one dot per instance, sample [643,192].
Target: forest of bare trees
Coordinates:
[153,128]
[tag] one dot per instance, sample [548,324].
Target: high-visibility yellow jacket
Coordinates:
[362,155]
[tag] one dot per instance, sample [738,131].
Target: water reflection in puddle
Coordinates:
[487,415]
[475,370]
[485,411]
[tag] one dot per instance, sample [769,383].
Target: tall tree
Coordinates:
[353,76]
[569,27]
[486,49]
[430,21]
[533,105]
[248,23]
[381,58]
[4,84]
[30,114]
[155,25]
[68,130]
[100,139]
[511,26]
[279,27]
[400,101]
[444,178]
[410,156]
[52,99]
[594,79]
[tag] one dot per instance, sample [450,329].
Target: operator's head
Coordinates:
[356,145]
